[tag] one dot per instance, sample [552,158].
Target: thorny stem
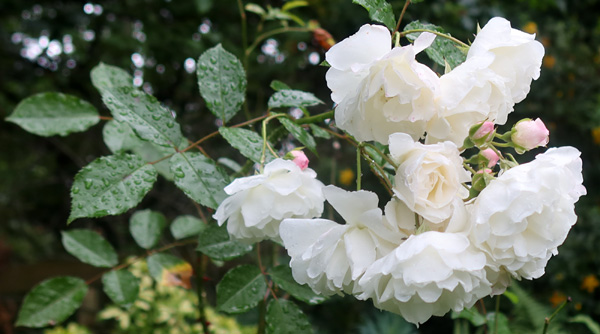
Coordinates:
[315,118]
[496,314]
[244,31]
[550,318]
[358,166]
[106,118]
[401,15]
[274,32]
[379,172]
[383,155]
[200,269]
[141,257]
[437,33]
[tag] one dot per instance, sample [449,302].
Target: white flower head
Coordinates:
[429,274]
[517,56]
[471,93]
[257,204]
[330,257]
[521,217]
[380,90]
[429,177]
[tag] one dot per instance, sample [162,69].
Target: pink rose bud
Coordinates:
[300,159]
[491,156]
[529,134]
[485,129]
[486,171]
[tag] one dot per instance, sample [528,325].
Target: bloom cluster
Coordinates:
[456,229]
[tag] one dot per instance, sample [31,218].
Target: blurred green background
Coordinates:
[53,45]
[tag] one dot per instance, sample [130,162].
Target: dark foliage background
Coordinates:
[37,172]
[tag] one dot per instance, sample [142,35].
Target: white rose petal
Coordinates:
[330,257]
[521,217]
[380,93]
[429,274]
[258,203]
[517,55]
[429,177]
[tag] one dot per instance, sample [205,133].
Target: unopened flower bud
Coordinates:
[483,131]
[300,159]
[528,134]
[491,156]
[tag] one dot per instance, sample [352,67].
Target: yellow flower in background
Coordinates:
[347,176]
[549,62]
[578,306]
[590,283]
[531,28]
[596,135]
[557,298]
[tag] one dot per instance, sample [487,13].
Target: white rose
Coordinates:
[471,93]
[330,257]
[380,90]
[429,274]
[521,217]
[257,204]
[517,56]
[429,177]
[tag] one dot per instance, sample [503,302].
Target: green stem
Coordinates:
[496,314]
[200,269]
[379,172]
[316,118]
[401,15]
[244,32]
[265,142]
[358,166]
[437,33]
[550,318]
[272,33]
[262,314]
[141,257]
[383,155]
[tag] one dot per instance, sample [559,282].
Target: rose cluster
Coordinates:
[457,228]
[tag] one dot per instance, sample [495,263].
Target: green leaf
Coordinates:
[119,137]
[203,6]
[379,11]
[319,132]
[146,226]
[89,247]
[52,301]
[292,98]
[293,4]
[471,314]
[282,276]
[502,323]
[249,143]
[121,286]
[170,270]
[229,163]
[186,226]
[214,241]
[110,186]
[277,85]
[49,114]
[585,319]
[442,50]
[151,152]
[256,9]
[285,317]
[199,178]
[241,289]
[106,77]
[299,133]
[222,82]
[142,112]
[511,296]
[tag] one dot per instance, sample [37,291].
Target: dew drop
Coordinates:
[75,190]
[88,183]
